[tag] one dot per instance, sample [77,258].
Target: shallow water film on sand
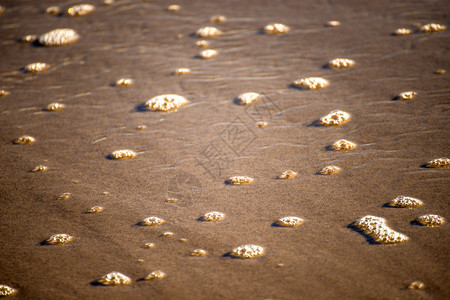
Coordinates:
[245,149]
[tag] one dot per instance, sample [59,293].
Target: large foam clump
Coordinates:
[247,251]
[376,228]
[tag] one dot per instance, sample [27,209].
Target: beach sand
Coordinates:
[190,153]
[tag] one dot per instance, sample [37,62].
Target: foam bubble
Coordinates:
[60,238]
[40,168]
[218,19]
[440,72]
[333,23]
[114,279]
[330,170]
[289,174]
[208,32]
[37,67]
[64,196]
[311,83]
[124,82]
[6,290]
[123,154]
[182,71]
[167,234]
[343,145]
[247,251]
[213,216]
[59,37]
[152,221]
[30,38]
[276,28]
[208,53]
[199,252]
[340,63]
[55,106]
[149,245]
[156,275]
[432,27]
[410,95]
[402,31]
[335,118]
[240,180]
[262,124]
[442,162]
[247,98]
[108,2]
[81,10]
[416,285]
[405,202]
[202,44]
[166,103]
[53,10]
[4,93]
[290,222]
[376,228]
[141,127]
[431,220]
[95,210]
[25,140]
[174,7]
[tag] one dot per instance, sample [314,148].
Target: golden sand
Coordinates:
[124,82]
[53,10]
[343,145]
[167,234]
[81,10]
[64,196]
[276,28]
[60,238]
[289,174]
[247,251]
[37,67]
[115,279]
[432,27]
[311,83]
[6,290]
[213,216]
[410,95]
[30,38]
[290,222]
[202,44]
[4,93]
[152,221]
[341,63]
[416,285]
[330,170]
[123,154]
[149,245]
[173,7]
[442,162]
[156,275]
[333,23]
[262,124]
[166,103]
[440,72]
[55,106]
[240,180]
[25,140]
[335,118]
[182,71]
[431,220]
[95,210]
[208,32]
[208,53]
[40,168]
[59,37]
[199,252]
[218,19]
[247,98]
[402,31]
[405,202]
[376,228]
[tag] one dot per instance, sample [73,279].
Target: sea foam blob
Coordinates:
[166,103]
[114,279]
[59,37]
[247,251]
[376,228]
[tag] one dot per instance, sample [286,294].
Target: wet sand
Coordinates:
[189,154]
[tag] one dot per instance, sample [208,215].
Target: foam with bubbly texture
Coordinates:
[343,145]
[202,44]
[402,31]
[289,174]
[59,37]
[416,285]
[240,180]
[208,32]
[199,252]
[55,106]
[59,238]
[431,220]
[341,63]
[311,83]
[124,82]
[247,251]
[152,221]
[182,71]
[81,10]
[432,27]
[149,245]
[376,228]
[442,162]
[95,210]
[410,95]
[40,168]
[405,202]
[166,103]
[37,67]
[248,98]
[25,140]
[156,275]
[290,222]
[208,53]
[335,118]
[213,216]
[218,19]
[123,154]
[114,279]
[6,290]
[330,170]
[276,28]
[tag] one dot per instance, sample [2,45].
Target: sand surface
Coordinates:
[190,153]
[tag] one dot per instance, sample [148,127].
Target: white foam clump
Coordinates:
[247,251]
[343,145]
[240,180]
[213,216]
[442,162]
[432,27]
[208,32]
[152,221]
[208,53]
[81,10]
[156,275]
[276,28]
[123,154]
[166,103]
[289,174]
[376,228]
[25,139]
[59,37]
[114,279]
[340,63]
[55,106]
[431,220]
[335,118]
[6,291]
[330,170]
[410,95]
[402,31]
[290,222]
[248,98]
[59,238]
[311,83]
[37,67]
[405,202]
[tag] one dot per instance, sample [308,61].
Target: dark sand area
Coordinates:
[188,154]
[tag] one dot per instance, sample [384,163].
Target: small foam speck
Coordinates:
[343,145]
[95,210]
[208,32]
[55,106]
[240,180]
[335,118]
[311,83]
[402,31]
[123,154]
[289,174]
[173,7]
[25,140]
[124,82]
[290,222]
[276,28]
[60,238]
[333,23]
[410,95]
[182,71]
[53,10]
[37,67]
[416,285]
[4,93]
[199,252]
[208,53]
[81,10]
[218,19]
[247,98]
[330,170]
[432,27]
[152,221]
[156,275]
[202,44]
[40,168]
[64,196]
[149,245]
[341,63]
